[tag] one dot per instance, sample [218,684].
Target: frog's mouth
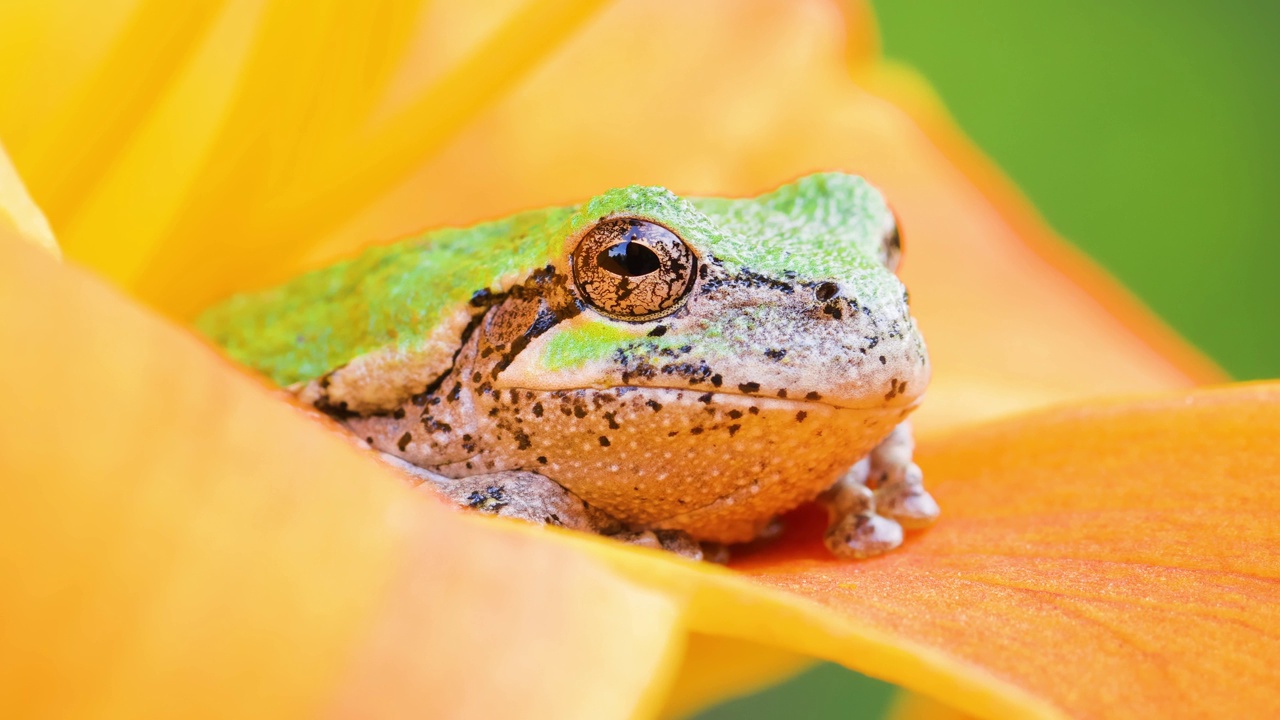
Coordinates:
[891,401]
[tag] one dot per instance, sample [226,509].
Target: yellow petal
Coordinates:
[19,216]
[177,541]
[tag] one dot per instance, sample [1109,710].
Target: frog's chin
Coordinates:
[716,464]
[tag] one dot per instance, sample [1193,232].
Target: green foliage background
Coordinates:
[1148,133]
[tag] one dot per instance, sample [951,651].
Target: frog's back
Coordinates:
[401,307]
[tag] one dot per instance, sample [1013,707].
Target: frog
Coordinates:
[673,372]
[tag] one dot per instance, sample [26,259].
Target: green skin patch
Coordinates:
[821,227]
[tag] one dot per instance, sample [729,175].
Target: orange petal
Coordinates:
[179,542]
[1113,559]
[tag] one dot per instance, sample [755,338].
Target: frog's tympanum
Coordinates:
[672,372]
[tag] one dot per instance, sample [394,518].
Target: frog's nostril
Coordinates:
[826,291]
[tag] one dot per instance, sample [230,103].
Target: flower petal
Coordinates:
[262,141]
[1113,559]
[18,215]
[177,541]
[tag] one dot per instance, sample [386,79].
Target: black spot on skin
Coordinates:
[673,433]
[733,430]
[476,377]
[705,399]
[398,414]
[404,441]
[735,414]
[800,416]
[749,387]
[782,393]
[882,360]
[522,440]
[537,409]
[872,342]
[654,404]
[610,416]
[902,387]
[604,441]
[515,396]
[481,298]
[658,331]
[753,410]
[453,394]
[696,431]
[493,412]
[826,291]
[419,399]
[542,459]
[485,353]
[369,440]
[833,310]
[812,396]
[579,411]
[711,411]
[717,380]
[775,355]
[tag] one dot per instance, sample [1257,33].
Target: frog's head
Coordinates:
[787,295]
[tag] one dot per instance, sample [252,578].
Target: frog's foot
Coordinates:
[854,529]
[898,482]
[676,541]
[517,494]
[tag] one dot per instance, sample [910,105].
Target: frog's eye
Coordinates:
[891,246]
[631,269]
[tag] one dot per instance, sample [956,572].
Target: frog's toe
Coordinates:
[675,541]
[863,535]
[714,552]
[904,499]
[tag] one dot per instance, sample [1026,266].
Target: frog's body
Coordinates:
[638,363]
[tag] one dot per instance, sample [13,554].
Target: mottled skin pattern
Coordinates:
[696,402]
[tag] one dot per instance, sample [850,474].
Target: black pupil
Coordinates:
[629,259]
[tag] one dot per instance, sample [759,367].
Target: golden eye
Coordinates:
[632,269]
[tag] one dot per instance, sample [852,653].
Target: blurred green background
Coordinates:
[1148,134]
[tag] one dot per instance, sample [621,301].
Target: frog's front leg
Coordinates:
[517,494]
[899,484]
[537,499]
[866,522]
[854,529]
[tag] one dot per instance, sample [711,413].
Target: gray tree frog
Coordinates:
[672,372]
